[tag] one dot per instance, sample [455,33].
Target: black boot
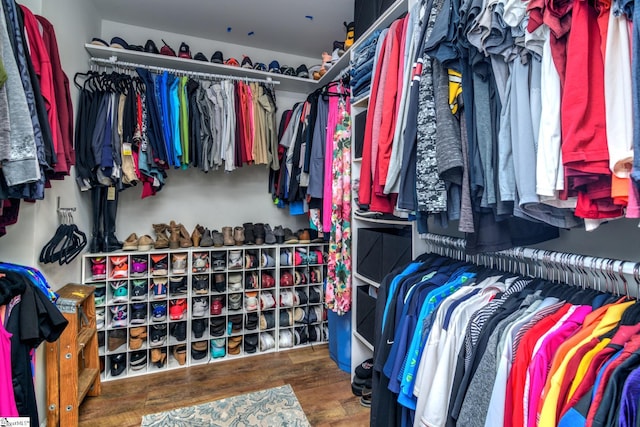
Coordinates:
[97,205]
[111,242]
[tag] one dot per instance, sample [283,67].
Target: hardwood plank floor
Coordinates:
[323,390]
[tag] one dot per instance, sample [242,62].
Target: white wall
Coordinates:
[139,35]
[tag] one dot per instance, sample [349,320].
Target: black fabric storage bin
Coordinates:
[365,13]
[359,127]
[365,313]
[380,250]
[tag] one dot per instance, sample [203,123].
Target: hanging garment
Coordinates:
[339,293]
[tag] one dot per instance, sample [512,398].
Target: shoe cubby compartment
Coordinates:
[232,300]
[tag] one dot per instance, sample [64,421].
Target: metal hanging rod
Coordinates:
[604,274]
[114,62]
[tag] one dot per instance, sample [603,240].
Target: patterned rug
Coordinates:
[272,407]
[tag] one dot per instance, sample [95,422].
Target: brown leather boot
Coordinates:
[174,238]
[196,235]
[185,238]
[227,234]
[238,235]
[162,240]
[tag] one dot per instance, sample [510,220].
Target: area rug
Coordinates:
[272,407]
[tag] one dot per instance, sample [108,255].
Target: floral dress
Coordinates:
[338,292]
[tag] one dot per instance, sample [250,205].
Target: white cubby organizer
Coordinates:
[297,319]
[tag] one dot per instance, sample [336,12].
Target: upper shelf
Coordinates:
[286,83]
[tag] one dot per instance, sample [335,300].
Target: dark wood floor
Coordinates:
[324,391]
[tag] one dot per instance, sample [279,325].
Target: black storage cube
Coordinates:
[359,127]
[365,313]
[365,13]
[380,250]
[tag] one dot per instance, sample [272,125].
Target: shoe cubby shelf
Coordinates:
[286,83]
[166,309]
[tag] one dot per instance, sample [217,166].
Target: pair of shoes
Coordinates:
[199,350]
[100,316]
[116,338]
[198,326]
[179,263]
[267,342]
[158,356]
[119,316]
[159,264]
[135,243]
[162,239]
[233,345]
[138,360]
[159,286]
[199,307]
[137,337]
[98,268]
[159,311]
[227,236]
[200,284]
[178,285]
[119,267]
[200,262]
[267,301]
[177,309]
[138,266]
[118,364]
[158,335]
[239,236]
[250,343]
[218,348]
[180,353]
[179,236]
[178,330]
[139,290]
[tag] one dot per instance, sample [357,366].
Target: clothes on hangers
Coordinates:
[36,115]
[169,121]
[458,344]
[487,127]
[27,318]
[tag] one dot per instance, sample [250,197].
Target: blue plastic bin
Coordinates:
[340,340]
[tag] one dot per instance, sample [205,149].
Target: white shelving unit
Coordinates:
[285,280]
[361,348]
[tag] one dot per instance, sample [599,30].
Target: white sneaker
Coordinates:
[266,341]
[286,338]
[199,307]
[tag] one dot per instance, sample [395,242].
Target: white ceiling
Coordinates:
[278,25]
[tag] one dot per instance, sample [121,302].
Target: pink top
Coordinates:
[541,361]
[332,122]
[8,402]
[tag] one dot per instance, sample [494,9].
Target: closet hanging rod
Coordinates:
[114,62]
[552,263]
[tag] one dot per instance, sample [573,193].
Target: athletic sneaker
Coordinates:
[139,290]
[159,288]
[138,314]
[199,307]
[119,318]
[159,311]
[158,335]
[119,291]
